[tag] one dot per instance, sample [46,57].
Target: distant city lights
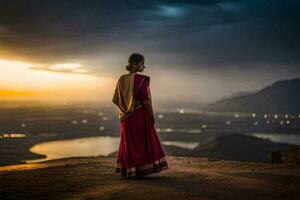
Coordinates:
[104,118]
[12,135]
[169,130]
[100,114]
[286,116]
[194,131]
[160,116]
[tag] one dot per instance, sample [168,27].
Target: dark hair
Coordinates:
[133,59]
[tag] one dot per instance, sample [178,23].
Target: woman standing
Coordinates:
[140,151]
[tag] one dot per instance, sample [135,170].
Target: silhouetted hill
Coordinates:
[280,97]
[240,147]
[236,147]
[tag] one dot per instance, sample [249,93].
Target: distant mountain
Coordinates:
[237,94]
[281,97]
[241,148]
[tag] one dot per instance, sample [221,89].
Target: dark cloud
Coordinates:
[196,34]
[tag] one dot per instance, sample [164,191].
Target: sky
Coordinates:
[195,51]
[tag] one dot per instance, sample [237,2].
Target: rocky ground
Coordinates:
[186,178]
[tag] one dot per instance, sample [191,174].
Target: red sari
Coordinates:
[140,151]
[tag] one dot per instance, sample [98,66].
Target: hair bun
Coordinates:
[133,59]
[128,67]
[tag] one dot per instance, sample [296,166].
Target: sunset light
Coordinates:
[149,99]
[59,81]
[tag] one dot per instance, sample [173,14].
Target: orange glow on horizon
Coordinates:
[7,93]
[23,80]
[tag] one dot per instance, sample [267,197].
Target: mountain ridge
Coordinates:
[280,97]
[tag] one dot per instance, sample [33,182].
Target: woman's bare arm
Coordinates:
[148,106]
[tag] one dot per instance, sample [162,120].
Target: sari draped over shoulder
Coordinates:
[125,94]
[140,151]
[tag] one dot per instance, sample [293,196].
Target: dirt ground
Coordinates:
[186,178]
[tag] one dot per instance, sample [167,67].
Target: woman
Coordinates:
[140,151]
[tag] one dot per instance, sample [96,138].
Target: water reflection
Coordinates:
[185,145]
[86,147]
[276,137]
[82,147]
[171,130]
[12,135]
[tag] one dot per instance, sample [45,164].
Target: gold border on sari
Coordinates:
[154,167]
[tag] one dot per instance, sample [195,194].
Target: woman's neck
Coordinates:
[132,72]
